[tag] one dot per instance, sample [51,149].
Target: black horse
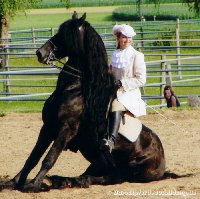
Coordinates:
[75,118]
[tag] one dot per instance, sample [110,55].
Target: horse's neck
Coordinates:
[69,77]
[74,62]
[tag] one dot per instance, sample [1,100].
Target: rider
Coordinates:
[129,70]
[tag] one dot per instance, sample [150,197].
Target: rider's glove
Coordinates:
[118,83]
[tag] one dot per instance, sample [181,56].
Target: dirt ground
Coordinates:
[181,141]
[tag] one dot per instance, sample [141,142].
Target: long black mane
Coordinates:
[97,82]
[87,48]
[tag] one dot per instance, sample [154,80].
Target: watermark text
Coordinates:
[154,193]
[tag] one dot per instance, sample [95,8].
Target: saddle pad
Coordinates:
[131,129]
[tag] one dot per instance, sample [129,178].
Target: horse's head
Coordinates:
[67,42]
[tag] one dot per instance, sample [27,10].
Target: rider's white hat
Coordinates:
[126,30]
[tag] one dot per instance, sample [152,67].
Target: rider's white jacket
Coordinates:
[128,65]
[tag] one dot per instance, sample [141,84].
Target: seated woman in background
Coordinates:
[172,100]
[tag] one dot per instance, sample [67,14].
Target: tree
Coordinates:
[67,3]
[194,5]
[8,9]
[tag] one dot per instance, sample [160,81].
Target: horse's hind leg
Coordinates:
[101,171]
[83,181]
[43,142]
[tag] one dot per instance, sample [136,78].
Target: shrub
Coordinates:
[163,12]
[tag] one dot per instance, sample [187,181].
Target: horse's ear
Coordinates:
[75,15]
[82,19]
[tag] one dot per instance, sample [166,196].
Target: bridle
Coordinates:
[52,58]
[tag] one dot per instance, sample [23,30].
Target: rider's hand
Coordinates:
[118,83]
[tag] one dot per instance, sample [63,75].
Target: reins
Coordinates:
[53,57]
[168,119]
[67,72]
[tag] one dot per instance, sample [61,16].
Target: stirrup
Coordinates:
[107,145]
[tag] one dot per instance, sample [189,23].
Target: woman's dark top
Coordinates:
[169,102]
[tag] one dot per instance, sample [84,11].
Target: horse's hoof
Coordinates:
[82,182]
[28,188]
[33,188]
[18,188]
[7,184]
[59,182]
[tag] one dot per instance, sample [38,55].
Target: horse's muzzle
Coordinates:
[39,55]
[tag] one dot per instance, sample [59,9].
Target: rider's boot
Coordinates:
[114,124]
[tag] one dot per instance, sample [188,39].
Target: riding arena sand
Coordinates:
[178,130]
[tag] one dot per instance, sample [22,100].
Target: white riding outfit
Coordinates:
[129,67]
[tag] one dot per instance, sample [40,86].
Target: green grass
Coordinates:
[54,20]
[82,3]
[21,106]
[125,14]
[26,106]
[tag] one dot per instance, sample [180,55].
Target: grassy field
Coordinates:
[93,3]
[52,18]
[42,18]
[83,3]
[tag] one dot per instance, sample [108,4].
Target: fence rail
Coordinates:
[166,79]
[166,53]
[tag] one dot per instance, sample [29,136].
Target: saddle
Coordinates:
[130,127]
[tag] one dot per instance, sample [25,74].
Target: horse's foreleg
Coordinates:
[59,144]
[42,144]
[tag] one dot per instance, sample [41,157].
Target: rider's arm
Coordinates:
[138,78]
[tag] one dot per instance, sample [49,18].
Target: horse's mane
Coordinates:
[97,81]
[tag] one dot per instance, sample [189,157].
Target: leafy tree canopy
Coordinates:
[12,7]
[194,5]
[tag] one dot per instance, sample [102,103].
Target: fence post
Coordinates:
[52,32]
[5,65]
[162,78]
[178,48]
[105,31]
[168,77]
[142,36]
[33,37]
